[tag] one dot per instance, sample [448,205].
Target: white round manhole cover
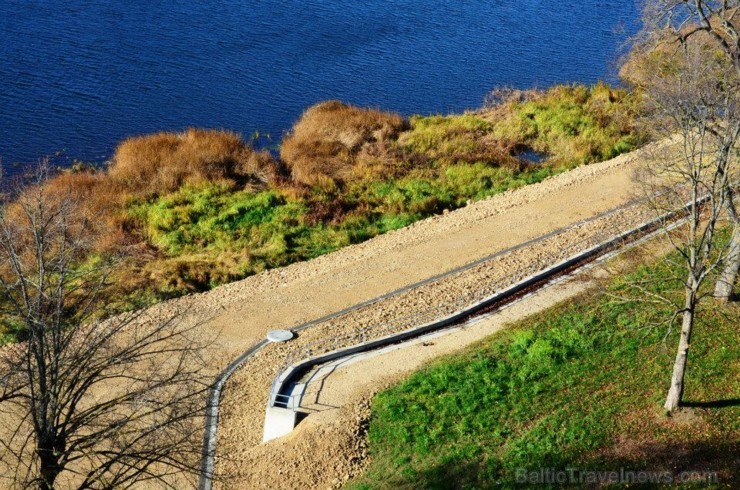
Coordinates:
[279,335]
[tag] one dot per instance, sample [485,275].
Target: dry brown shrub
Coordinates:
[335,142]
[163,162]
[261,166]
[96,205]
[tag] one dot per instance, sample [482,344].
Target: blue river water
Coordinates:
[77,77]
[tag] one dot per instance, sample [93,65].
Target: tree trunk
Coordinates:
[49,468]
[675,393]
[726,281]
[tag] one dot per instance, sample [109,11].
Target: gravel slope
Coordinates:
[245,310]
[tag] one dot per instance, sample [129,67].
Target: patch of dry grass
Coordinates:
[334,142]
[163,162]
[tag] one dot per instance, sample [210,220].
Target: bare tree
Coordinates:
[87,399]
[692,95]
[713,23]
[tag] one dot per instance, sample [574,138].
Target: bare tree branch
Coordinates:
[694,94]
[89,400]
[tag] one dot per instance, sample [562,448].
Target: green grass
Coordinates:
[212,217]
[11,330]
[580,385]
[453,137]
[571,124]
[575,125]
[211,234]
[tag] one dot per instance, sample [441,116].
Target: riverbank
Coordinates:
[194,210]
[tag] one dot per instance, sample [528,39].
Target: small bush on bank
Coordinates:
[335,142]
[163,162]
[98,205]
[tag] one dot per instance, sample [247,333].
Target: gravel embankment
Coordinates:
[282,298]
[242,411]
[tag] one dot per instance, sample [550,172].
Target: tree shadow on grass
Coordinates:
[449,476]
[730,402]
[714,463]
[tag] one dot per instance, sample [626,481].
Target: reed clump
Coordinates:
[163,162]
[334,142]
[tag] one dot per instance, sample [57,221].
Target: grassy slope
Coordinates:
[212,233]
[251,231]
[580,385]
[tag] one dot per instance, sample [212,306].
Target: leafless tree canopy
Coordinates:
[718,19]
[87,400]
[686,65]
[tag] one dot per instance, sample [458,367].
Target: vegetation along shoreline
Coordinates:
[193,210]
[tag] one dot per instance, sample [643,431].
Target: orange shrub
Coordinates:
[335,142]
[162,162]
[98,200]
[57,207]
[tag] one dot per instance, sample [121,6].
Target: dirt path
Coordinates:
[330,446]
[244,311]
